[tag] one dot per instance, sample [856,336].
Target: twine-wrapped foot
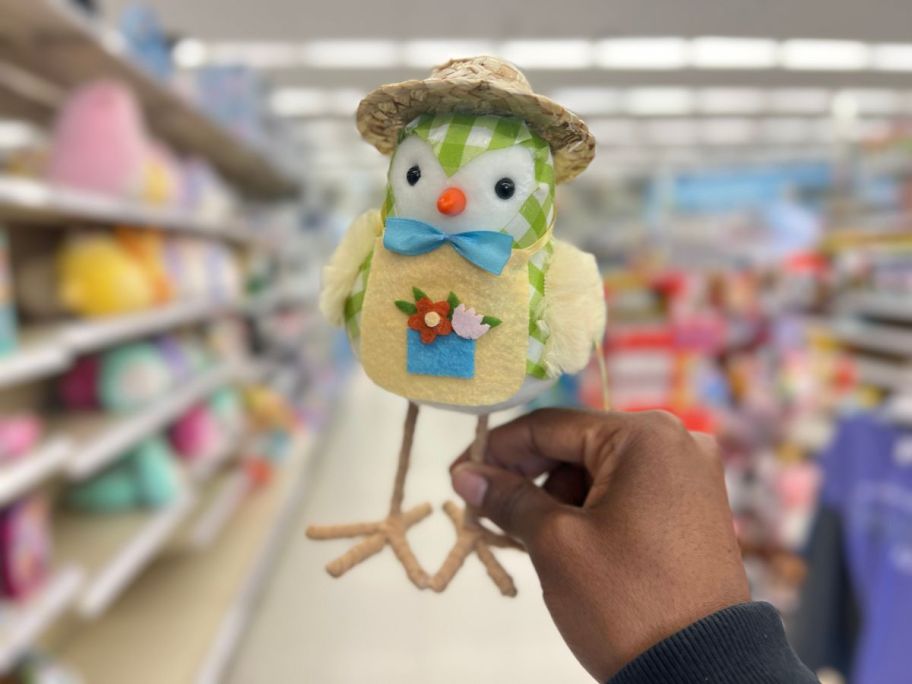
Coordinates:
[390,531]
[476,539]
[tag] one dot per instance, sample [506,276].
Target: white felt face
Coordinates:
[484,209]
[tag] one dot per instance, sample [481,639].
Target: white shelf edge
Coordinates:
[87,335]
[884,374]
[894,307]
[132,558]
[28,198]
[62,343]
[32,618]
[89,458]
[894,340]
[30,469]
[32,361]
[232,626]
[216,517]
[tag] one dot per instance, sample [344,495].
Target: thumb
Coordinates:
[511,501]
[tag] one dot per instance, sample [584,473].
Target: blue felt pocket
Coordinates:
[448,356]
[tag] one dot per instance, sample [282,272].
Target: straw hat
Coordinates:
[478,85]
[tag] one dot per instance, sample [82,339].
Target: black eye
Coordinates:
[413,175]
[505,188]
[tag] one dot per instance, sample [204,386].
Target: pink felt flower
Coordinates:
[468,324]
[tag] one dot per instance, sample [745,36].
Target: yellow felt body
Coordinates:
[573,311]
[340,273]
[500,355]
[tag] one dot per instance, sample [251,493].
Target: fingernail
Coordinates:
[470,485]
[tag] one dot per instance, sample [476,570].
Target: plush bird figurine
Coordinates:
[456,294]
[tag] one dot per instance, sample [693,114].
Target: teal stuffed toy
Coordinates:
[146,477]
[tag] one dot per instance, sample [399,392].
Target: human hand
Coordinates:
[630,534]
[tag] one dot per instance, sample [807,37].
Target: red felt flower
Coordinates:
[431,320]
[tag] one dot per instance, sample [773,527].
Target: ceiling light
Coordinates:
[642,53]
[733,53]
[784,130]
[351,54]
[190,53]
[874,101]
[731,100]
[589,100]
[613,131]
[727,131]
[430,53]
[256,55]
[892,57]
[345,101]
[674,132]
[299,102]
[799,100]
[825,55]
[549,54]
[659,101]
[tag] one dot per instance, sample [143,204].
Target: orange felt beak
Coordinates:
[451,202]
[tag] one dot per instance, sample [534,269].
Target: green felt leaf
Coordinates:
[491,320]
[419,294]
[406,307]
[453,301]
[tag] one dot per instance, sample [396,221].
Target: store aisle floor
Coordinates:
[372,625]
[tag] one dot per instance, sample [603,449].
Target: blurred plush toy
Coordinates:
[121,379]
[99,141]
[147,248]
[36,290]
[228,408]
[147,477]
[161,176]
[131,376]
[25,546]
[456,293]
[97,277]
[196,433]
[19,434]
[8,326]
[147,43]
[186,266]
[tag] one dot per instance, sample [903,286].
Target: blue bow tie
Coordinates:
[484,248]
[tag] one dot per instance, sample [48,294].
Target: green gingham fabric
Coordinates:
[457,139]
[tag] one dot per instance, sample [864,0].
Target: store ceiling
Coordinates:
[286,20]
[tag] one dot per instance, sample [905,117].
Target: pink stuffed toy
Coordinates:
[18,435]
[99,141]
[196,433]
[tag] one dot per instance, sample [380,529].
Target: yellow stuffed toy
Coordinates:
[97,277]
[456,294]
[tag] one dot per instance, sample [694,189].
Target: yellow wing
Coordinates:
[340,273]
[573,310]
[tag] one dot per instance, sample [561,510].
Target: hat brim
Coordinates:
[385,111]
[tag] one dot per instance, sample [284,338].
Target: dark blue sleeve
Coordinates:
[743,644]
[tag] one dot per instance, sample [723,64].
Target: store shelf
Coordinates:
[39,354]
[879,373]
[27,621]
[100,437]
[221,584]
[225,496]
[893,307]
[884,339]
[24,200]
[114,549]
[21,475]
[88,335]
[55,42]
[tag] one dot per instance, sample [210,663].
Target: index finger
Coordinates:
[537,442]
